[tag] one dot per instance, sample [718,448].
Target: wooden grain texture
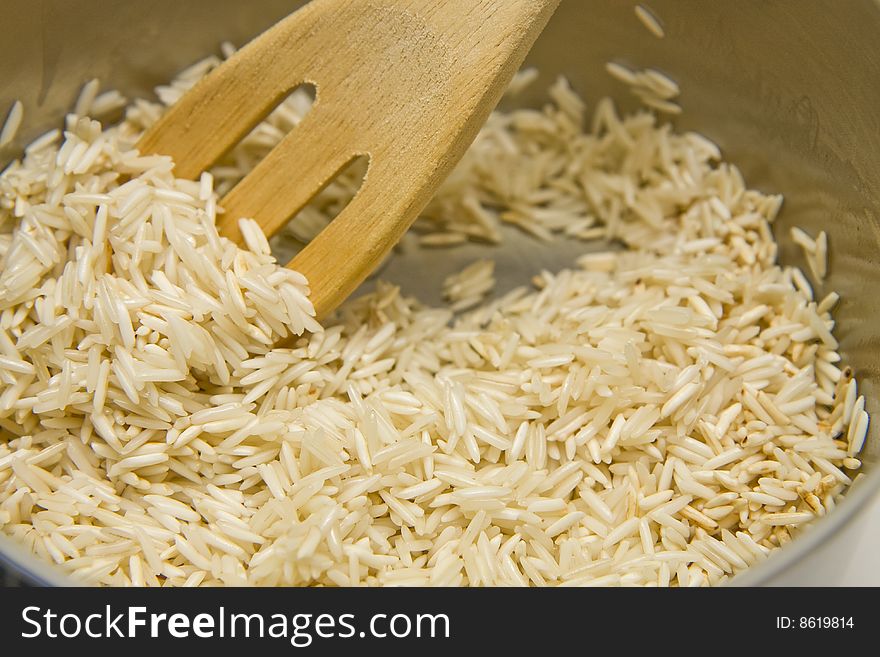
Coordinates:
[408,83]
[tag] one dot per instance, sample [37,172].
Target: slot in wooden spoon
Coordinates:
[408,83]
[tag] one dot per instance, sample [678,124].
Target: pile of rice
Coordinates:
[664,415]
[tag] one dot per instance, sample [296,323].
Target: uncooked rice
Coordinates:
[815,251]
[664,415]
[521,80]
[653,88]
[12,123]
[650,21]
[470,286]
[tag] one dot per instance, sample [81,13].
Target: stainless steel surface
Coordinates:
[789,89]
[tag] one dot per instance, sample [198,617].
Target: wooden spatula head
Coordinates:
[407,83]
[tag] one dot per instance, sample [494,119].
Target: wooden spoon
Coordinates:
[408,83]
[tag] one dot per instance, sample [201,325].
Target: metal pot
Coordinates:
[788,89]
